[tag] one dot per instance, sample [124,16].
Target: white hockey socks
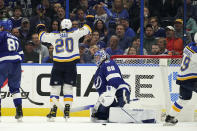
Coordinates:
[177,107]
[55,92]
[68,94]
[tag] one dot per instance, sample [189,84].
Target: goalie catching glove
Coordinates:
[40,28]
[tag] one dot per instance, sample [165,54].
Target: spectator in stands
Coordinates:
[81,17]
[113,48]
[55,27]
[132,51]
[61,14]
[155,50]
[127,4]
[82,50]
[158,31]
[174,45]
[136,45]
[40,18]
[191,10]
[170,8]
[16,19]
[178,26]
[124,42]
[128,30]
[24,30]
[87,39]
[88,56]
[117,10]
[49,59]
[49,11]
[29,55]
[96,40]
[82,4]
[15,32]
[146,16]
[101,28]
[191,26]
[161,41]
[100,14]
[39,48]
[5,12]
[149,38]
[56,6]
[134,15]
[75,24]
[28,7]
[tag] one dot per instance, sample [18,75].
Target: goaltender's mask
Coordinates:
[100,56]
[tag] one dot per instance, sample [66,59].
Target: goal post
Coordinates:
[152,78]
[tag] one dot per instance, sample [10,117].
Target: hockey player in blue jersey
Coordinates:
[11,56]
[187,79]
[112,89]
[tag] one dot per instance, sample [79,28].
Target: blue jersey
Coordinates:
[108,74]
[10,50]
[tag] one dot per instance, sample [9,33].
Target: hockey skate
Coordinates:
[67,111]
[19,113]
[170,121]
[52,114]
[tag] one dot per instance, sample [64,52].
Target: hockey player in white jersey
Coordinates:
[187,79]
[65,57]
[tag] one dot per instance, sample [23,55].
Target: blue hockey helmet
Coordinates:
[7,24]
[100,56]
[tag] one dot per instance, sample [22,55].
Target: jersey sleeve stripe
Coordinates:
[190,49]
[88,27]
[21,52]
[10,58]
[41,34]
[113,75]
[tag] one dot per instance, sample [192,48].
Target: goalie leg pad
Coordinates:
[122,115]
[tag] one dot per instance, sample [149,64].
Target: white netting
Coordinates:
[153,80]
[148,60]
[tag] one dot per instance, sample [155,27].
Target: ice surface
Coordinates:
[84,124]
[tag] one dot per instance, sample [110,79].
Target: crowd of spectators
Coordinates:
[115,25]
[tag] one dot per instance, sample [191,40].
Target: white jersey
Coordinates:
[188,70]
[66,46]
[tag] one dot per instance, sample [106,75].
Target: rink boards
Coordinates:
[152,85]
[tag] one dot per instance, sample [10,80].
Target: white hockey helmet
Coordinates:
[195,37]
[66,24]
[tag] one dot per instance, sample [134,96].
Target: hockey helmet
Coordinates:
[100,56]
[66,24]
[195,37]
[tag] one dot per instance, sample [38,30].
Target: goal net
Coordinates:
[152,80]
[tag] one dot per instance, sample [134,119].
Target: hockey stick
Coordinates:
[76,109]
[30,100]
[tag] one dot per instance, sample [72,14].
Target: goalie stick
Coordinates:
[76,109]
[30,100]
